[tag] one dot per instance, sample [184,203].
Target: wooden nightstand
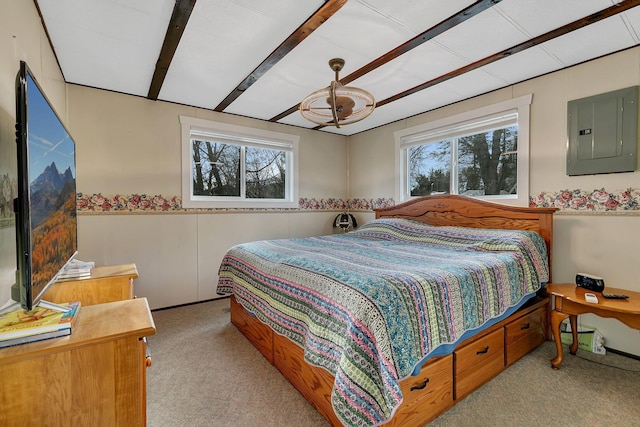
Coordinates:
[106,284]
[569,301]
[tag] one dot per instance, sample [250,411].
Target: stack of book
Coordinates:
[20,326]
[76,269]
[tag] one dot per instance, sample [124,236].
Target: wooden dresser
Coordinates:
[97,375]
[106,284]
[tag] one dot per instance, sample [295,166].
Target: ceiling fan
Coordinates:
[337,104]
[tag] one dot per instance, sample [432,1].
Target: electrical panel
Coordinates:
[603,133]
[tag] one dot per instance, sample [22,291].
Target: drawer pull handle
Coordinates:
[486,350]
[420,386]
[527,326]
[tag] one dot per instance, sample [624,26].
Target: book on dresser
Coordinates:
[33,338]
[20,326]
[76,269]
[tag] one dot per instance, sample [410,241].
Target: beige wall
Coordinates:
[21,38]
[604,245]
[178,255]
[372,171]
[128,144]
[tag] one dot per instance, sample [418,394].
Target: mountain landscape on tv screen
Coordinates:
[53,222]
[49,191]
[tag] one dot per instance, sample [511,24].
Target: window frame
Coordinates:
[454,126]
[243,136]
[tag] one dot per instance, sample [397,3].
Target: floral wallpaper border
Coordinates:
[341,204]
[570,202]
[598,201]
[143,203]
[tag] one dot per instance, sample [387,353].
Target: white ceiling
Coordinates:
[116,44]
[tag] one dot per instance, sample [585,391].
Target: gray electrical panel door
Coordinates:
[603,133]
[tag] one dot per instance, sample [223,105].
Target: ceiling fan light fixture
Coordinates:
[337,105]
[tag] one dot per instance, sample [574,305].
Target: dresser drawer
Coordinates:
[427,394]
[478,362]
[525,334]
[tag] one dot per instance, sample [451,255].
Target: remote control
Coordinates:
[614,296]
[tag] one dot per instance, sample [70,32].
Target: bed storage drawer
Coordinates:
[525,333]
[315,384]
[427,394]
[259,334]
[478,362]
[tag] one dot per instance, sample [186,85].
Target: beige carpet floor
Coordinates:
[205,373]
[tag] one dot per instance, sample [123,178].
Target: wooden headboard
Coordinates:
[469,212]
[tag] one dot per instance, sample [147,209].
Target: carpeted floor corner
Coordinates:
[205,373]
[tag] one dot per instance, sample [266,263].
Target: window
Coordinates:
[229,166]
[483,153]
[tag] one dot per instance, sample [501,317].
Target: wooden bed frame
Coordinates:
[443,381]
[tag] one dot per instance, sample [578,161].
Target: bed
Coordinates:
[397,321]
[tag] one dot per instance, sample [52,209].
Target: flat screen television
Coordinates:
[46,217]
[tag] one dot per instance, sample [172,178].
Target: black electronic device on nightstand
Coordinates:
[590,282]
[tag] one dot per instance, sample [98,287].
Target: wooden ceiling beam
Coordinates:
[319,17]
[179,18]
[405,47]
[565,29]
[183,9]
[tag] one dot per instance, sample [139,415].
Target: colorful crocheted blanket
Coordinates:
[372,304]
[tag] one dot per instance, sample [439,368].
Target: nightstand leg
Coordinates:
[573,320]
[556,319]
